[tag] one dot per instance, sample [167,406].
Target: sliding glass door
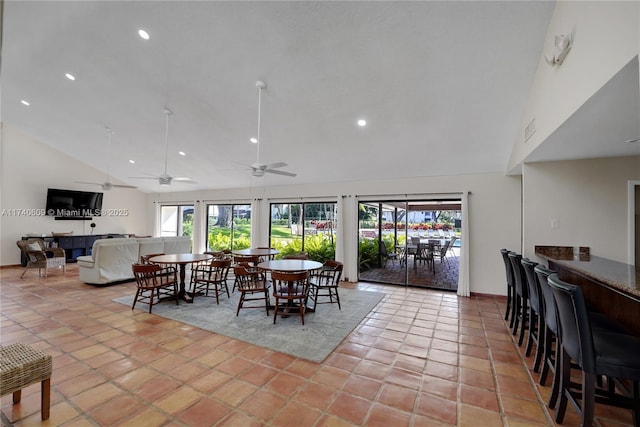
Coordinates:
[176,220]
[413,242]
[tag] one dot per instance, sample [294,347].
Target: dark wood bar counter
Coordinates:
[610,287]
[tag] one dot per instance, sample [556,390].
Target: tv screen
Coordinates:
[73,204]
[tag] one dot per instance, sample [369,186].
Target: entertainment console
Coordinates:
[74,246]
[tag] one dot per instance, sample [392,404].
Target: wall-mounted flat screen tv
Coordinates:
[73,204]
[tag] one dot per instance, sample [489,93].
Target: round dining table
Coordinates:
[289,265]
[261,252]
[181,260]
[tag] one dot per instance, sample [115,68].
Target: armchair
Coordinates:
[38,256]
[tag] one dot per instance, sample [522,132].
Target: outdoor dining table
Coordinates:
[182,260]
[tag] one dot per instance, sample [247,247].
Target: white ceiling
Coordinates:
[441,84]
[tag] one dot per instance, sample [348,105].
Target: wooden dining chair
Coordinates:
[293,289]
[211,276]
[253,286]
[152,281]
[324,283]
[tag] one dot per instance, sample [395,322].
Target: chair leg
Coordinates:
[135,299]
[588,399]
[275,313]
[524,322]
[17,396]
[302,304]
[532,332]
[266,300]
[516,315]
[565,383]
[546,354]
[557,376]
[240,302]
[338,298]
[539,343]
[45,398]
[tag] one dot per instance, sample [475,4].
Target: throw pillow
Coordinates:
[34,247]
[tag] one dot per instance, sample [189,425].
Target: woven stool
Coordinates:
[22,365]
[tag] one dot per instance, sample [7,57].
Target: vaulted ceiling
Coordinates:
[442,86]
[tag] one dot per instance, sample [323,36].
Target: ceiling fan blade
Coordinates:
[88,183]
[123,186]
[184,179]
[277,172]
[276,165]
[143,177]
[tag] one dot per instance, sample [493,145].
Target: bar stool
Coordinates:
[598,352]
[22,365]
[536,312]
[522,296]
[510,288]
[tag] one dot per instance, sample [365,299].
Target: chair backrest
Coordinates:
[144,259]
[251,259]
[146,274]
[220,268]
[301,255]
[331,272]
[532,284]
[548,300]
[518,275]
[247,280]
[508,268]
[290,284]
[214,254]
[573,323]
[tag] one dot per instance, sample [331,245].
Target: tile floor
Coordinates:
[421,358]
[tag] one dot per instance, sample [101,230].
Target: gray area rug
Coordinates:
[321,333]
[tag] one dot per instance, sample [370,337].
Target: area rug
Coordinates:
[321,333]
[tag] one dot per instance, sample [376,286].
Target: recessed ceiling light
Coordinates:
[132,162]
[25,102]
[182,153]
[362,122]
[143,34]
[70,76]
[253,140]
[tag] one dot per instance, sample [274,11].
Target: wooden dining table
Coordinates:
[261,252]
[181,260]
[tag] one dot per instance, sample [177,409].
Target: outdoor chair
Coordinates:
[386,255]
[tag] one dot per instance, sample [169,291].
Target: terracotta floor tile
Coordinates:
[398,397]
[420,358]
[480,397]
[437,408]
[294,414]
[205,412]
[384,416]
[350,408]
[316,395]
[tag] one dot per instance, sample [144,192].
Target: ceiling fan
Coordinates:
[107,184]
[165,179]
[259,169]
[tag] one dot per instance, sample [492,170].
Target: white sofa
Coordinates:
[111,259]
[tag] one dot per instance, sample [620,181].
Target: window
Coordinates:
[304,227]
[176,220]
[228,227]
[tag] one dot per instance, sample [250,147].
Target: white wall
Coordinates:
[588,198]
[494,210]
[29,168]
[606,39]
